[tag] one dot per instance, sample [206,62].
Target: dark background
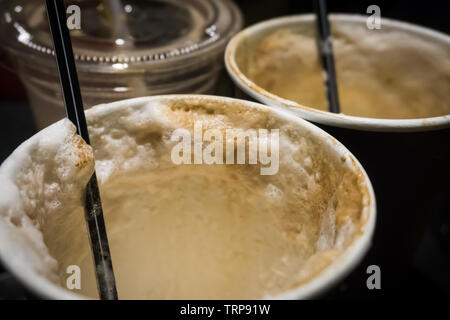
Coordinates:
[427,276]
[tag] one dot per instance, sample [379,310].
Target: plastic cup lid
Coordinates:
[135,33]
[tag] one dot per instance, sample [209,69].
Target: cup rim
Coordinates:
[325,117]
[333,273]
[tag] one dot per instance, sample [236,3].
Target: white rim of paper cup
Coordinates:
[327,278]
[325,117]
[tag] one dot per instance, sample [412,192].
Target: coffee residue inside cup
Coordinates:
[381,73]
[188,231]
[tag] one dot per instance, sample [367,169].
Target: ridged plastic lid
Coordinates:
[143,33]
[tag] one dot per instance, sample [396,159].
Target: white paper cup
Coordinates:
[246,40]
[407,159]
[23,251]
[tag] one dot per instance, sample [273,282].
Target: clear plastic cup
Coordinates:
[149,48]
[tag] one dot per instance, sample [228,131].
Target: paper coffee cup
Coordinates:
[405,150]
[179,225]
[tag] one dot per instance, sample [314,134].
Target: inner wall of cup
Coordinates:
[285,229]
[427,90]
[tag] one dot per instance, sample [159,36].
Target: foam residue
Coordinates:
[380,73]
[180,231]
[41,182]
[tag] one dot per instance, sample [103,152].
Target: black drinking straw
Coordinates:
[75,112]
[326,53]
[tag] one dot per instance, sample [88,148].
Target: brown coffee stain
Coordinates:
[82,151]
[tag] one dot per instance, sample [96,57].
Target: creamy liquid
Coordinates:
[380,73]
